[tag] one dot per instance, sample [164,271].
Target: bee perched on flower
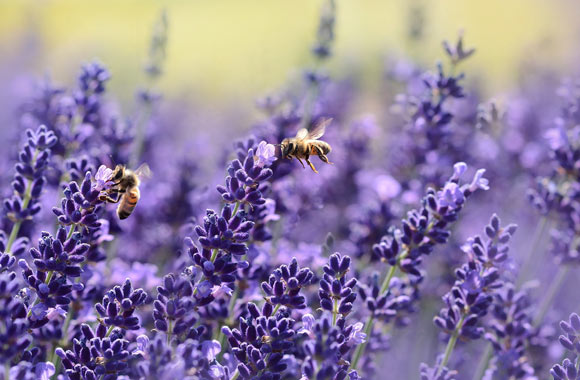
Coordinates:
[124,184]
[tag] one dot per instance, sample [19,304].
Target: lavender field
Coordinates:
[417,217]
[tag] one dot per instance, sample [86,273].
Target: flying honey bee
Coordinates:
[306,143]
[126,187]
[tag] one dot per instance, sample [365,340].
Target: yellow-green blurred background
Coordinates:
[236,50]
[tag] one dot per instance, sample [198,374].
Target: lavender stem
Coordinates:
[369,324]
[552,292]
[483,362]
[235,375]
[451,344]
[533,249]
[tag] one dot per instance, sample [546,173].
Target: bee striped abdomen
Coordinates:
[323,147]
[128,203]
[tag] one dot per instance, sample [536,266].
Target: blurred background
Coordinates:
[228,52]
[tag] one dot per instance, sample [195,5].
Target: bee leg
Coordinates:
[106,198]
[322,156]
[311,166]
[299,160]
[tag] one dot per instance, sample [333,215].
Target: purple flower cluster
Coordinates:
[28,183]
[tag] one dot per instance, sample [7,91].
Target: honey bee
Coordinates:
[306,144]
[126,187]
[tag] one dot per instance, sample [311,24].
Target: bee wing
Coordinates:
[302,134]
[318,131]
[143,171]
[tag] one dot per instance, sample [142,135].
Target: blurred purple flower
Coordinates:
[103,178]
[265,154]
[44,371]
[210,349]
[356,335]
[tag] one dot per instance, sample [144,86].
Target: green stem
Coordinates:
[233,300]
[109,331]
[451,345]
[387,281]
[214,253]
[222,339]
[7,371]
[169,331]
[140,136]
[57,362]
[533,249]
[334,311]
[361,347]
[369,323]
[483,362]
[236,208]
[14,232]
[71,231]
[221,336]
[235,375]
[551,294]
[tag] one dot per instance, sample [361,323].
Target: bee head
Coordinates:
[287,147]
[118,173]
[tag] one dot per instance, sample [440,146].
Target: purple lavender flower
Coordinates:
[103,178]
[28,371]
[337,295]
[328,347]
[284,285]
[557,194]
[437,373]
[510,334]
[566,371]
[55,260]
[244,179]
[260,342]
[28,181]
[227,232]
[424,228]
[571,329]
[79,207]
[457,52]
[265,154]
[325,33]
[15,339]
[91,83]
[470,298]
[174,311]
[118,306]
[98,355]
